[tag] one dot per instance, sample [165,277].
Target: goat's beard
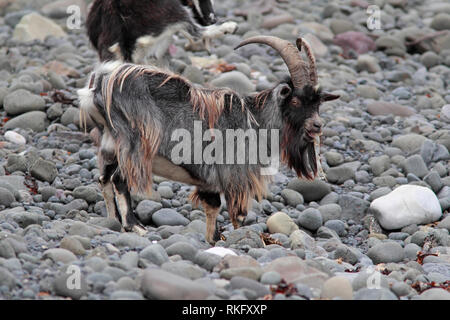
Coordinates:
[298,152]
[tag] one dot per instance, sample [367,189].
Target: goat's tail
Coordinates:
[131,134]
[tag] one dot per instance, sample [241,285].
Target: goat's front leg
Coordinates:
[211,204]
[123,203]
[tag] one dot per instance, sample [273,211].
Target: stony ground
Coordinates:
[352,237]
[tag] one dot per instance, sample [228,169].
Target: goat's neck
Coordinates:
[268,116]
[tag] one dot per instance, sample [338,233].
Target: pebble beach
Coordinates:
[377,228]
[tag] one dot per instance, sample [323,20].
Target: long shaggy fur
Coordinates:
[138,108]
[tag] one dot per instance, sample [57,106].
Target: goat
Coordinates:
[138,108]
[125,29]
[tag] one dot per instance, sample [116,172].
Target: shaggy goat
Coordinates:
[140,109]
[125,29]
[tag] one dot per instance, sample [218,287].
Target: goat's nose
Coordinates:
[317,125]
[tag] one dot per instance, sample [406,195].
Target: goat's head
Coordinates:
[298,98]
[203,11]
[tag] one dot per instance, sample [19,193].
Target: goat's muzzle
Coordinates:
[313,128]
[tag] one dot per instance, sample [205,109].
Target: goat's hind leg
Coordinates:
[211,204]
[123,204]
[108,190]
[236,209]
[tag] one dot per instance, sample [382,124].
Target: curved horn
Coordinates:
[289,53]
[312,60]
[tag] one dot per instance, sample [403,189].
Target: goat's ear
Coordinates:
[283,90]
[325,96]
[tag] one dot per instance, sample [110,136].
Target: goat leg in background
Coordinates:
[211,205]
[123,203]
[237,209]
[217,31]
[108,191]
[159,51]
[210,33]
[150,50]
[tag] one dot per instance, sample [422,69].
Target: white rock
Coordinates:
[445,112]
[14,137]
[406,205]
[220,251]
[34,26]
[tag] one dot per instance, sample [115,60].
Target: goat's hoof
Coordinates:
[136,228]
[240,220]
[140,230]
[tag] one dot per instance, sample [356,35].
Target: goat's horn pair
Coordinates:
[301,74]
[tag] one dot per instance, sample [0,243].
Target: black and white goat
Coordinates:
[138,109]
[132,30]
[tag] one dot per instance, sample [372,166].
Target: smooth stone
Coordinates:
[243,237]
[184,249]
[44,170]
[131,240]
[22,101]
[435,294]
[354,42]
[234,80]
[73,245]
[34,120]
[6,197]
[386,252]
[310,219]
[34,26]
[406,205]
[89,194]
[337,287]
[61,287]
[7,278]
[295,270]
[162,285]
[59,255]
[374,294]
[444,223]
[353,207]
[409,143]
[310,190]
[385,108]
[184,269]
[338,226]
[333,158]
[415,165]
[346,253]
[367,92]
[270,278]
[292,198]
[71,116]
[441,21]
[154,253]
[301,240]
[208,260]
[169,217]
[145,209]
[14,137]
[330,211]
[340,174]
[280,222]
[241,282]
